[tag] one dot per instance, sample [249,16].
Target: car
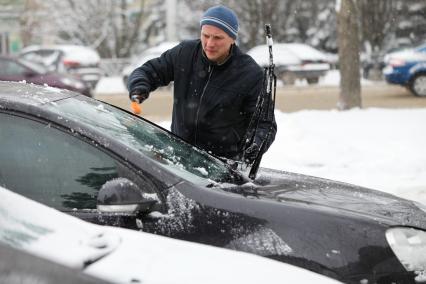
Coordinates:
[407,68]
[108,166]
[17,266]
[293,61]
[148,54]
[37,241]
[15,69]
[76,60]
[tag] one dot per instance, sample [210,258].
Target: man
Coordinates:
[215,88]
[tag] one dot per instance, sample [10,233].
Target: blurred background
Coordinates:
[99,42]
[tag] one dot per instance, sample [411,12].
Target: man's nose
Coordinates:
[209,42]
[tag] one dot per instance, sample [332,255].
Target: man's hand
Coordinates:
[138,95]
[251,153]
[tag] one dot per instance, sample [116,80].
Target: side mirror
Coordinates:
[121,195]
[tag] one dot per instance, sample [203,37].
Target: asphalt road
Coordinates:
[289,99]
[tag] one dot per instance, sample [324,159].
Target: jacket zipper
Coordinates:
[210,71]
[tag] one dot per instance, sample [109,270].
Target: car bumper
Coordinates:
[394,76]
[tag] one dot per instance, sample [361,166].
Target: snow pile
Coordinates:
[377,148]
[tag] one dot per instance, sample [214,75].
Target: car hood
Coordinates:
[287,187]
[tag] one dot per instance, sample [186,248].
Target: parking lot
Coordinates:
[289,99]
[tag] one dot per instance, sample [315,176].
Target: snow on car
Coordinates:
[293,61]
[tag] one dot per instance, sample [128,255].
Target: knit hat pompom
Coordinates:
[222,18]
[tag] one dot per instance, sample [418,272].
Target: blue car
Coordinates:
[408,68]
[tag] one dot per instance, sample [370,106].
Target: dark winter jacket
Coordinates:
[213,103]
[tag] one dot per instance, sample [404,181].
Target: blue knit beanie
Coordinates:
[222,18]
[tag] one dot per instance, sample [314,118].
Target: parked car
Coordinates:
[14,69]
[108,166]
[79,61]
[293,61]
[407,68]
[122,256]
[148,54]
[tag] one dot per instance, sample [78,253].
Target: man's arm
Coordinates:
[153,74]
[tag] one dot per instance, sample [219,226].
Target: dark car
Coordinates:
[407,68]
[13,69]
[108,166]
[79,61]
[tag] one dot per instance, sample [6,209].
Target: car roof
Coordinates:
[24,93]
[71,52]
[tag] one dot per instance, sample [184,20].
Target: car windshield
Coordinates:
[164,148]
[34,66]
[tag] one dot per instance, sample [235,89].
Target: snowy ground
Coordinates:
[378,148]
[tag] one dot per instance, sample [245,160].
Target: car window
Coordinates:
[54,167]
[37,67]
[47,57]
[162,147]
[11,68]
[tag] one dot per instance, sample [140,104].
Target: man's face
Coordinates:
[216,43]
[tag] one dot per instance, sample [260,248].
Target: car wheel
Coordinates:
[312,80]
[418,85]
[288,78]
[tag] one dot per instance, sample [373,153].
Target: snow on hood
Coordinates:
[130,256]
[290,187]
[406,54]
[286,54]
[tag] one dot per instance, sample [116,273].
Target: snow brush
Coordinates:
[136,108]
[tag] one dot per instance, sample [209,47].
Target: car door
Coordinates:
[60,169]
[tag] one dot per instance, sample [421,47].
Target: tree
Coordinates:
[291,20]
[113,27]
[348,33]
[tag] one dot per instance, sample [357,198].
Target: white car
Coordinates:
[148,54]
[293,61]
[80,61]
[126,256]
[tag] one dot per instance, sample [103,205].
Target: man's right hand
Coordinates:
[138,95]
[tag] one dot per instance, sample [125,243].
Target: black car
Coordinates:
[108,166]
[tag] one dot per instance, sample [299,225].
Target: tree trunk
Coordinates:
[348,32]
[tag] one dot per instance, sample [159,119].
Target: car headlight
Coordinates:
[409,245]
[73,83]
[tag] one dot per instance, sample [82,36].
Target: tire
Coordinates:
[311,81]
[418,85]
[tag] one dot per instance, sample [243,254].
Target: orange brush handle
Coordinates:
[136,108]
